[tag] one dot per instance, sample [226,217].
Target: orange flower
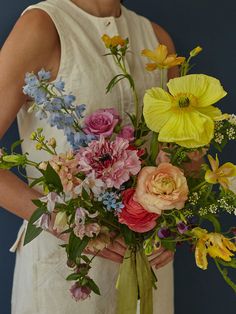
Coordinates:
[112,42]
[161,58]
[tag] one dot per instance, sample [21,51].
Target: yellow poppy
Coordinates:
[222,174]
[111,42]
[185,115]
[195,51]
[161,58]
[214,244]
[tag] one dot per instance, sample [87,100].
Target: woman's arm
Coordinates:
[32,44]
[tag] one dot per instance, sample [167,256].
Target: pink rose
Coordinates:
[134,215]
[101,122]
[161,188]
[127,132]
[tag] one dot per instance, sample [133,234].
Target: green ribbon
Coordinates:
[136,280]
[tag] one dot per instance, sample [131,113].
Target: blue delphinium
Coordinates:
[111,201]
[59,108]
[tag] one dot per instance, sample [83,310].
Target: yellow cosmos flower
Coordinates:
[161,58]
[185,115]
[111,42]
[222,174]
[214,244]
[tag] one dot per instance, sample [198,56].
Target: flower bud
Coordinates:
[52,142]
[195,51]
[39,146]
[16,159]
[33,136]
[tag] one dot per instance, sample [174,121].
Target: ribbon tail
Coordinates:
[127,285]
[145,283]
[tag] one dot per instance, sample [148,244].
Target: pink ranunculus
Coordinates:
[134,215]
[80,293]
[127,132]
[113,162]
[161,188]
[101,122]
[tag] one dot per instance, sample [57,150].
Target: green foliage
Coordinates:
[32,231]
[52,179]
[76,246]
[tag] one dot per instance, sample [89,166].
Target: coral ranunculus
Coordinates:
[161,188]
[134,215]
[185,115]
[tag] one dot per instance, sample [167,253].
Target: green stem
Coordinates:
[199,186]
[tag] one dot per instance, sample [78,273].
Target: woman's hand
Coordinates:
[114,252]
[161,258]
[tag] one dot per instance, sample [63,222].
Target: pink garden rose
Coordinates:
[134,215]
[127,132]
[112,162]
[161,188]
[101,122]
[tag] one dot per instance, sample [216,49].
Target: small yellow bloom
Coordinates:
[161,58]
[185,115]
[195,51]
[112,42]
[222,174]
[214,244]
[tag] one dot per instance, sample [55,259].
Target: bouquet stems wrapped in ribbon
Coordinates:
[152,182]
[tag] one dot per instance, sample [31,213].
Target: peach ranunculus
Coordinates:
[161,188]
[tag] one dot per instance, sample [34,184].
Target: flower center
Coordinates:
[184,102]
[162,185]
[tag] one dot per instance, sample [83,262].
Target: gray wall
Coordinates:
[212,24]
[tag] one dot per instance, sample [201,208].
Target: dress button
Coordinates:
[107,23]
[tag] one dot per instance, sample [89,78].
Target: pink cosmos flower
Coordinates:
[161,188]
[127,132]
[80,293]
[134,215]
[113,162]
[102,122]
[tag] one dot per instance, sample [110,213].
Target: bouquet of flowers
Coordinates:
[146,182]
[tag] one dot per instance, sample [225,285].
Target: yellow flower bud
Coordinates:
[195,51]
[33,136]
[52,142]
[39,146]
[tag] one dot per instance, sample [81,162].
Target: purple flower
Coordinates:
[43,222]
[80,293]
[182,227]
[164,233]
[79,110]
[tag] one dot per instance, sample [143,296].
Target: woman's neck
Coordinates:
[100,8]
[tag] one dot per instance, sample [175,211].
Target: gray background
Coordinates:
[212,24]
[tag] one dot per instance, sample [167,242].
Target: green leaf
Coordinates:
[15,144]
[85,259]
[52,179]
[224,274]
[76,246]
[73,277]
[85,195]
[36,181]
[154,148]
[169,245]
[93,286]
[37,203]
[32,231]
[215,222]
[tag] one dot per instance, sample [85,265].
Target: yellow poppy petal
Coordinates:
[210,111]
[151,66]
[194,84]
[201,255]
[156,110]
[220,251]
[161,53]
[188,129]
[213,92]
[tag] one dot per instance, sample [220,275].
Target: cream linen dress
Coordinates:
[39,280]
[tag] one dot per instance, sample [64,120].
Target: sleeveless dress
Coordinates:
[39,280]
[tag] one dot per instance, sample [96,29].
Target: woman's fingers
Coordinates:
[162,259]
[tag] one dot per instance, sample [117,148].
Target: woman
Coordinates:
[63,36]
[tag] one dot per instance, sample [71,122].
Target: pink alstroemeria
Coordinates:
[52,199]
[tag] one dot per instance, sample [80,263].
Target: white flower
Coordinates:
[51,199]
[90,183]
[232,184]
[60,223]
